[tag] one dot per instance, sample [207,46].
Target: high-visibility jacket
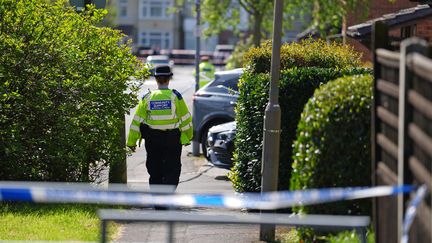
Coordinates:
[162,109]
[206,73]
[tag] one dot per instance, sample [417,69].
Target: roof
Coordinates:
[157,57]
[393,19]
[233,71]
[224,48]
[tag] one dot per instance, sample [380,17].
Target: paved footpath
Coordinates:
[197,177]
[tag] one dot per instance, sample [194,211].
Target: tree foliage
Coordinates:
[63,84]
[332,148]
[220,15]
[326,16]
[330,16]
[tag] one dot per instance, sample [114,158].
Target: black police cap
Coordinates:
[162,70]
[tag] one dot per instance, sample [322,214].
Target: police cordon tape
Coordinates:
[411,212]
[70,193]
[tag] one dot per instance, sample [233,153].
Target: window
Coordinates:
[155,9]
[167,40]
[223,86]
[155,39]
[408,31]
[123,5]
[143,39]
[232,84]
[158,40]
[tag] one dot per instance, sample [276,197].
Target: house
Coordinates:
[153,24]
[149,23]
[404,18]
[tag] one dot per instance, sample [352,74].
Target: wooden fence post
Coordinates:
[380,39]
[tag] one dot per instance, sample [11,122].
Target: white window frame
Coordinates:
[123,5]
[143,40]
[165,38]
[145,7]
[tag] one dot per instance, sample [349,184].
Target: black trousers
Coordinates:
[163,155]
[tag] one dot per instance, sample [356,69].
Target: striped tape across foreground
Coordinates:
[31,192]
[411,212]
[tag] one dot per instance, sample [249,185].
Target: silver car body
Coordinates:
[214,103]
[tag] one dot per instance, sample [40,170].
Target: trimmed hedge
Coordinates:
[296,86]
[305,66]
[306,53]
[62,84]
[333,143]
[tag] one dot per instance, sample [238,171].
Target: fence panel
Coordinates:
[401,133]
[418,145]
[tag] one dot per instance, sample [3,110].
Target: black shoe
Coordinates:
[161,208]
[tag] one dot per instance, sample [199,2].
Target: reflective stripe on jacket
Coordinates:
[162,109]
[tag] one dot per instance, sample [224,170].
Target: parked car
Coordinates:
[220,142]
[214,104]
[156,60]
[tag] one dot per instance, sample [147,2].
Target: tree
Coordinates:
[225,14]
[331,15]
[327,16]
[64,83]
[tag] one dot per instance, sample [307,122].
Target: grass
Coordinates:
[55,222]
[286,235]
[291,235]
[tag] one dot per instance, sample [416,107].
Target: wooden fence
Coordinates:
[401,132]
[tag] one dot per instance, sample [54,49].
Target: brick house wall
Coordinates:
[377,8]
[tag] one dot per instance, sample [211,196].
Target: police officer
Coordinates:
[206,71]
[164,121]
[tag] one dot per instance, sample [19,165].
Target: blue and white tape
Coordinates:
[265,201]
[411,212]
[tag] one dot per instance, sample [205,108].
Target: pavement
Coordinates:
[198,176]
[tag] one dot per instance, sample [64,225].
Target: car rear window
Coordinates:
[232,84]
[221,85]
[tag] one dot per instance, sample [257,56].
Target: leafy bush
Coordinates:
[332,148]
[296,86]
[236,58]
[63,83]
[307,53]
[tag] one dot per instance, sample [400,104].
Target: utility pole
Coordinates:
[198,42]
[195,145]
[272,122]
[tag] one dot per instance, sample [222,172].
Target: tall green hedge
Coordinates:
[332,148]
[63,84]
[308,68]
[306,53]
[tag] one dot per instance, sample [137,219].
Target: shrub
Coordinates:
[332,148]
[307,53]
[296,86]
[304,66]
[63,83]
